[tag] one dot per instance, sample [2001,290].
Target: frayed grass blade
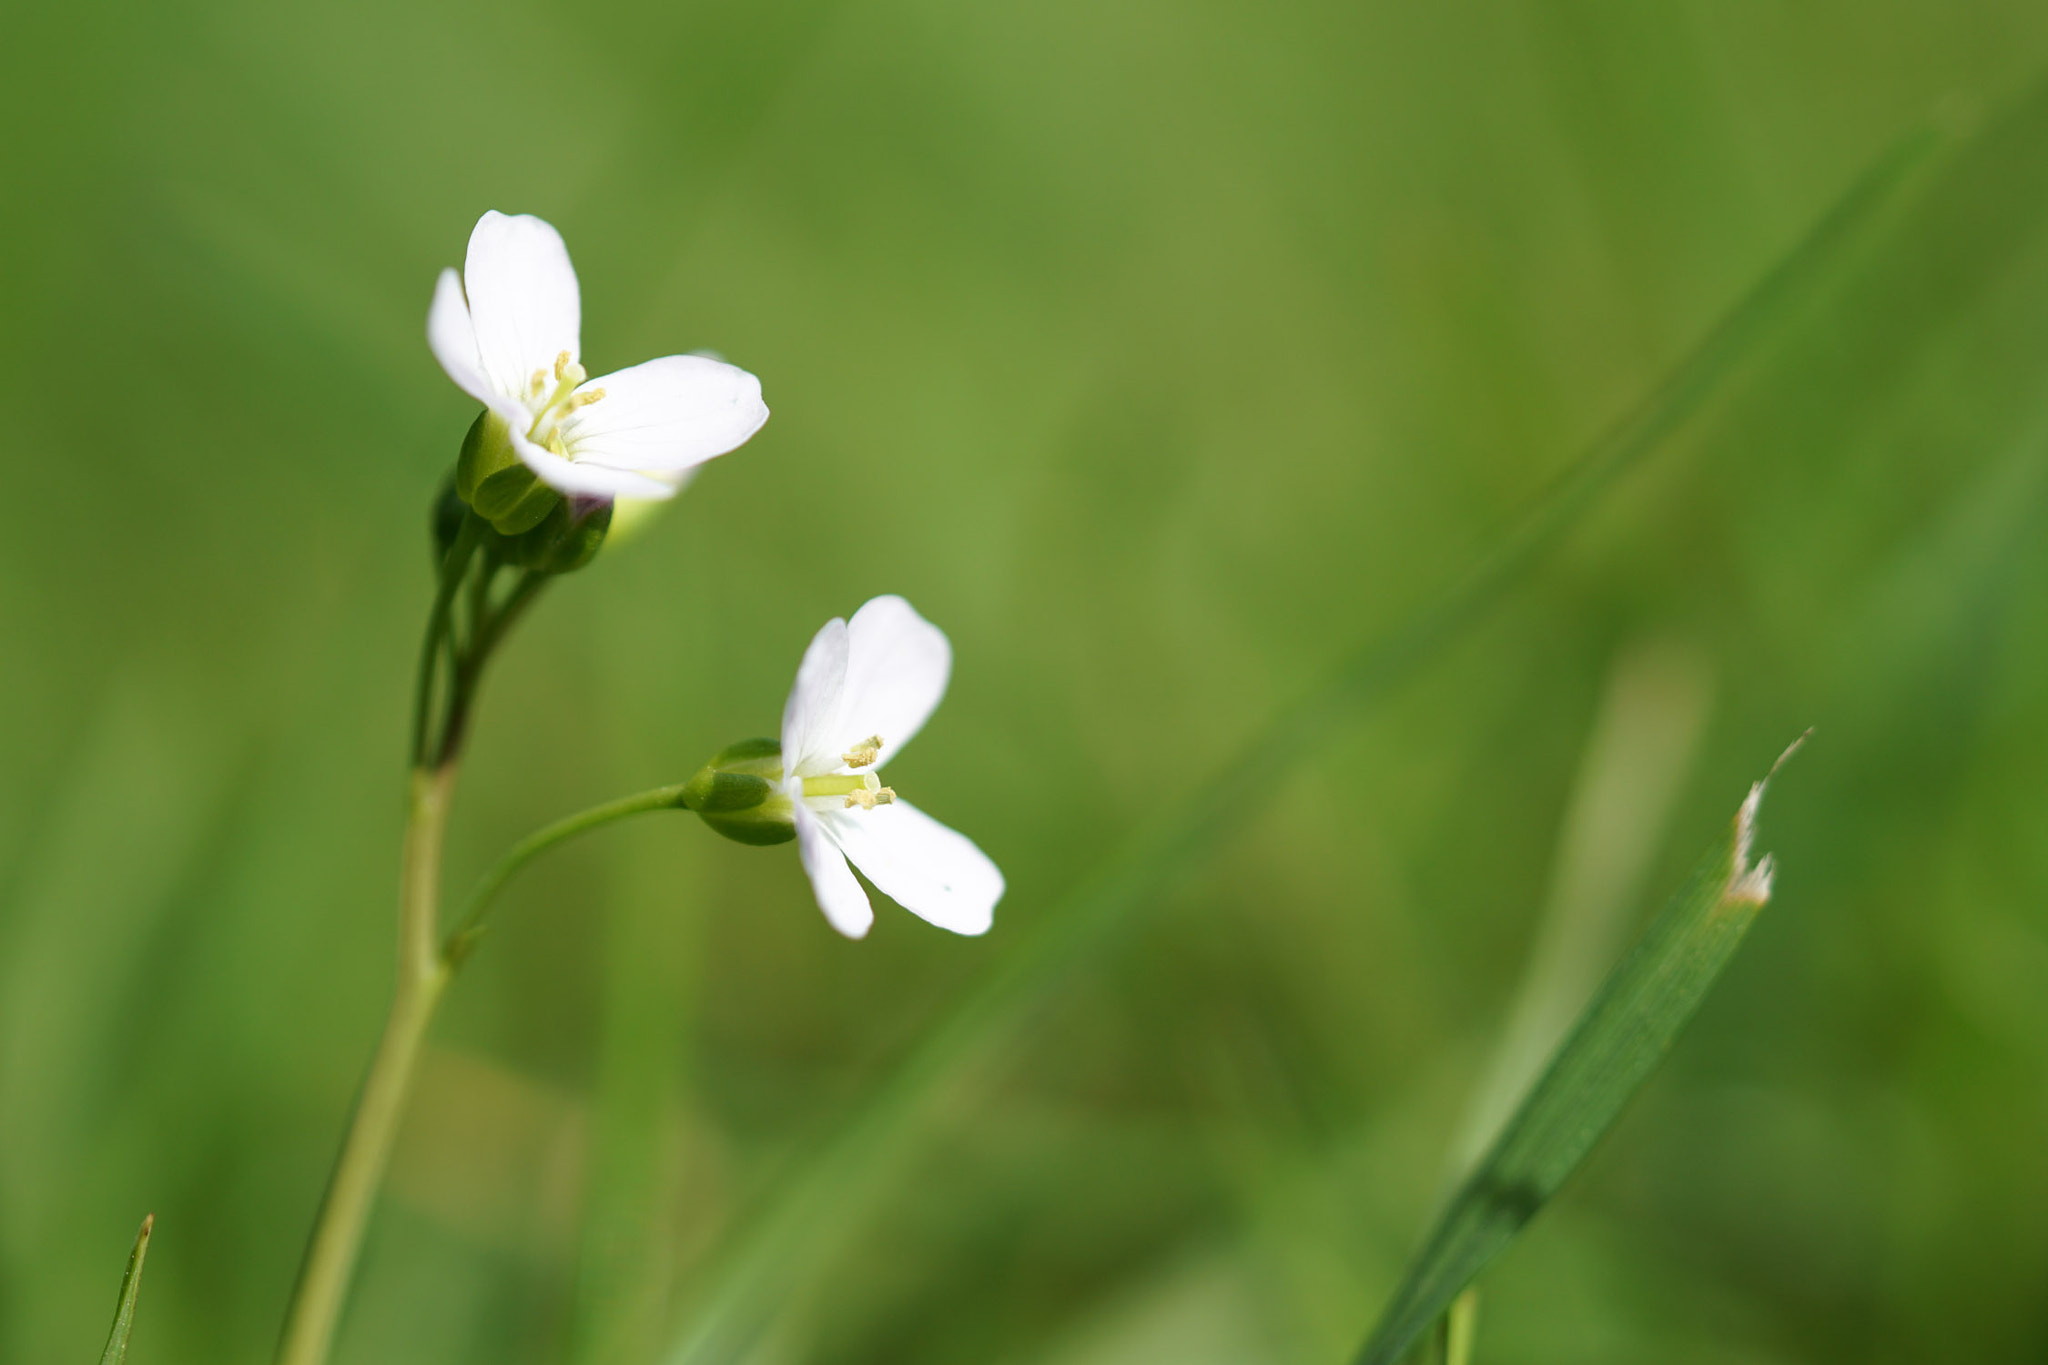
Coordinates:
[124,1311]
[1615,1046]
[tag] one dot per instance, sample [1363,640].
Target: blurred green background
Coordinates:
[1162,353]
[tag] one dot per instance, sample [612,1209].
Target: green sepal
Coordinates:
[716,793]
[486,449]
[761,757]
[754,828]
[515,501]
[738,794]
[490,476]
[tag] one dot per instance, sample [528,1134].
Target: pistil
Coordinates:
[563,400]
[864,790]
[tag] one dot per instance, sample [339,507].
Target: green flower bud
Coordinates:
[739,793]
[568,538]
[491,477]
[444,518]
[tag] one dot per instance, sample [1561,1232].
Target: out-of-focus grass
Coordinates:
[806,1222]
[1159,353]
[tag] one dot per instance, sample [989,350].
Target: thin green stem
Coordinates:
[422,976]
[453,566]
[516,602]
[466,618]
[480,596]
[467,676]
[470,926]
[424,968]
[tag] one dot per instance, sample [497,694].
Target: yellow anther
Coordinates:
[867,798]
[863,754]
[584,400]
[561,364]
[537,383]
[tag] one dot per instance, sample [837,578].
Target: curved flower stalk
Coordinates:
[509,333]
[864,690]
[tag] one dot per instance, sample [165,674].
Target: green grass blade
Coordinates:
[1636,759]
[1617,1043]
[124,1310]
[810,1213]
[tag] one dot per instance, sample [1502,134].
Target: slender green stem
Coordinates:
[422,976]
[424,968]
[470,926]
[465,678]
[453,566]
[516,602]
[480,597]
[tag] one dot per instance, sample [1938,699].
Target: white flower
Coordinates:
[513,345]
[863,691]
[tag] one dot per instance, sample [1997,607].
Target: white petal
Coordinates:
[523,300]
[452,338]
[839,894]
[667,414]
[581,480]
[810,715]
[896,670]
[932,871]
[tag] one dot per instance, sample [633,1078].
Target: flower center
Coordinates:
[551,406]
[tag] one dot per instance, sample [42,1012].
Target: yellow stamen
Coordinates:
[584,400]
[868,798]
[863,754]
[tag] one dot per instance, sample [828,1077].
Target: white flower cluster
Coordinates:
[509,333]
